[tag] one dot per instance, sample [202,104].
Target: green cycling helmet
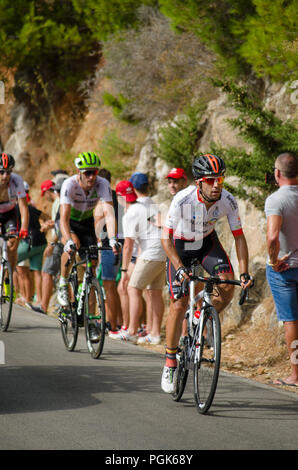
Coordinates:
[87,160]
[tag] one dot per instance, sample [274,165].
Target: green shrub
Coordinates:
[114,153]
[178,139]
[267,134]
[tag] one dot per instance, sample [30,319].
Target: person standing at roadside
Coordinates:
[139,224]
[177,180]
[281,209]
[154,296]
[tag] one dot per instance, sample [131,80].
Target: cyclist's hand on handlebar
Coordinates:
[182,274]
[247,281]
[69,246]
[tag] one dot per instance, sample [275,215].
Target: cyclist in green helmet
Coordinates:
[85,207]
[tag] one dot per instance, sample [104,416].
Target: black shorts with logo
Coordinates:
[209,253]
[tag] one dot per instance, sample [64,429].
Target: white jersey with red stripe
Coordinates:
[189,219]
[15,191]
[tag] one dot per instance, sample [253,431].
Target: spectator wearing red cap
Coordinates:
[139,224]
[126,196]
[177,180]
[46,186]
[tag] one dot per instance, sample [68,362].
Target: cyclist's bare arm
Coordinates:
[104,214]
[242,255]
[65,224]
[23,206]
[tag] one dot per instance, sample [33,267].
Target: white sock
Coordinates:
[62,281]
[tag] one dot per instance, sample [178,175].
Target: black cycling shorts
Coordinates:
[210,255]
[10,222]
[85,232]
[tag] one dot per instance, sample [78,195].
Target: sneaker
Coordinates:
[124,336]
[142,331]
[148,339]
[37,308]
[113,334]
[62,296]
[169,379]
[93,334]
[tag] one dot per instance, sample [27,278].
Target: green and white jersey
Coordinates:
[82,204]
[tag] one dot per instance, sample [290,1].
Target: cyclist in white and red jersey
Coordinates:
[189,233]
[85,207]
[12,192]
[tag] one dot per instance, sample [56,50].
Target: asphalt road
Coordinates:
[53,399]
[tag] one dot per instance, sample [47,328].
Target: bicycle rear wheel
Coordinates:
[69,320]
[182,370]
[95,318]
[206,368]
[6,299]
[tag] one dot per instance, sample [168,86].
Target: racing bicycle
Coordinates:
[200,350]
[6,283]
[86,307]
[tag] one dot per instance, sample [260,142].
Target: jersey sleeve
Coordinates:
[20,189]
[173,217]
[65,193]
[105,190]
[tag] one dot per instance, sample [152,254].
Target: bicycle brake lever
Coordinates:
[243,296]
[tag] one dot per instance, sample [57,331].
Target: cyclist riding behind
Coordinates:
[12,192]
[85,207]
[189,233]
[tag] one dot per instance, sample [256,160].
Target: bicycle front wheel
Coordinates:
[6,299]
[207,364]
[95,318]
[182,370]
[69,320]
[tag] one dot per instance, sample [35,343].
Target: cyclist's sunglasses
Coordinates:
[89,172]
[5,171]
[212,180]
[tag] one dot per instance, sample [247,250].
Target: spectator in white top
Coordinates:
[140,223]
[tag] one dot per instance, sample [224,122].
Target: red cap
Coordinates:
[125,189]
[177,173]
[45,186]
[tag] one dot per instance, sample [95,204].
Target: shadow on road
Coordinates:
[44,388]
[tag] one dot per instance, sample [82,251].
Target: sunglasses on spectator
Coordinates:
[90,172]
[211,180]
[5,171]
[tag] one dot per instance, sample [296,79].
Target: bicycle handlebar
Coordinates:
[212,280]
[88,249]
